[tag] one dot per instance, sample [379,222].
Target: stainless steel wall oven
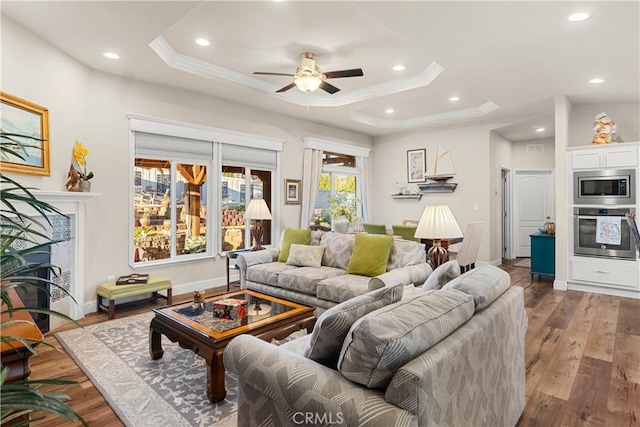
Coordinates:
[603,232]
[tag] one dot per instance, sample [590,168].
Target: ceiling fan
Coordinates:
[308,76]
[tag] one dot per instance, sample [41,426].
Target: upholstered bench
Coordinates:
[112,292]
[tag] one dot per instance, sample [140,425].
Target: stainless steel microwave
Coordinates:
[604,187]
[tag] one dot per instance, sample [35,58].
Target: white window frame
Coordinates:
[342,148]
[217,137]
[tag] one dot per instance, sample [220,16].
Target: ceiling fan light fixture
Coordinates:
[308,84]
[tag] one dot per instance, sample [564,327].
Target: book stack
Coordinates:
[231,308]
[133,279]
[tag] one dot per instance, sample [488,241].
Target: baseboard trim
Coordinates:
[560,285]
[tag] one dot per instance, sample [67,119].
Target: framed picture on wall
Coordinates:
[25,136]
[416,165]
[292,192]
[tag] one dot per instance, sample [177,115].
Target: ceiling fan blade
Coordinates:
[272,74]
[355,72]
[286,88]
[328,87]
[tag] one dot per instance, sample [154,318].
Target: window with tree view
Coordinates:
[336,190]
[170,209]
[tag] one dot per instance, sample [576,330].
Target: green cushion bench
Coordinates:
[112,292]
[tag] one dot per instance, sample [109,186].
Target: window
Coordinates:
[338,176]
[179,200]
[333,168]
[169,220]
[235,231]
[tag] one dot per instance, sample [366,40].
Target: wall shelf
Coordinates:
[407,196]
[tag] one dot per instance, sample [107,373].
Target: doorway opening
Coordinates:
[505,213]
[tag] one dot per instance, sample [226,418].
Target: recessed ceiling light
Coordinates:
[202,42]
[580,16]
[389,111]
[596,81]
[540,130]
[454,98]
[111,55]
[399,68]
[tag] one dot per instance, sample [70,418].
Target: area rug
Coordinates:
[170,391]
[524,263]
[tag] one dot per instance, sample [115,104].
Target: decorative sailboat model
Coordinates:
[440,171]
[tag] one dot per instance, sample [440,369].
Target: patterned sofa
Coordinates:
[325,286]
[447,357]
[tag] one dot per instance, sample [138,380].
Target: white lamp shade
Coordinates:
[437,222]
[307,83]
[257,209]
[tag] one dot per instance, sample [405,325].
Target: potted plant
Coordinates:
[80,153]
[342,209]
[25,230]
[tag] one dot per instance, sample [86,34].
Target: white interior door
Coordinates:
[534,195]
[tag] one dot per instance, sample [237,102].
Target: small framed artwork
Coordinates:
[292,192]
[25,136]
[416,165]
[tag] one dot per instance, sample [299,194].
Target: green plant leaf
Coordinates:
[24,219]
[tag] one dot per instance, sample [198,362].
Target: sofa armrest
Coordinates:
[413,274]
[284,384]
[492,380]
[248,259]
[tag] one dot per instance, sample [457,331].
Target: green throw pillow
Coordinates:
[301,236]
[370,255]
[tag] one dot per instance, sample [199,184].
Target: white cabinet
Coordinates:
[611,156]
[596,274]
[605,272]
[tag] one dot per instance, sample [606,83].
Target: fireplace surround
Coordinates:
[69,254]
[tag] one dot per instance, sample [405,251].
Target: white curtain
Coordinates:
[311,170]
[362,187]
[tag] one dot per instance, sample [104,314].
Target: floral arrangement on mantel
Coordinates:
[603,129]
[78,177]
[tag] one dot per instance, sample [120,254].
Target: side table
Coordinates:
[233,255]
[543,255]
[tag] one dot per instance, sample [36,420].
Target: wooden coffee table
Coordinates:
[207,336]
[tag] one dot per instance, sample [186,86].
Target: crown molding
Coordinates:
[466,113]
[188,64]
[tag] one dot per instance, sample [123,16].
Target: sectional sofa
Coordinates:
[329,282]
[445,357]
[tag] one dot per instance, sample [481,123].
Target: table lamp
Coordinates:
[437,223]
[258,211]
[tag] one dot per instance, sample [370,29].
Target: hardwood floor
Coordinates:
[582,360]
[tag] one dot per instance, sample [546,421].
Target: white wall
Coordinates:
[545,160]
[470,152]
[32,70]
[626,117]
[92,106]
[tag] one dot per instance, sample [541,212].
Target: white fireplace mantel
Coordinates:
[72,203]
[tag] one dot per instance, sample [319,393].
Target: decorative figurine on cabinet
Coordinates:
[603,129]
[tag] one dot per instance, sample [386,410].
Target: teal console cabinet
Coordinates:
[543,255]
